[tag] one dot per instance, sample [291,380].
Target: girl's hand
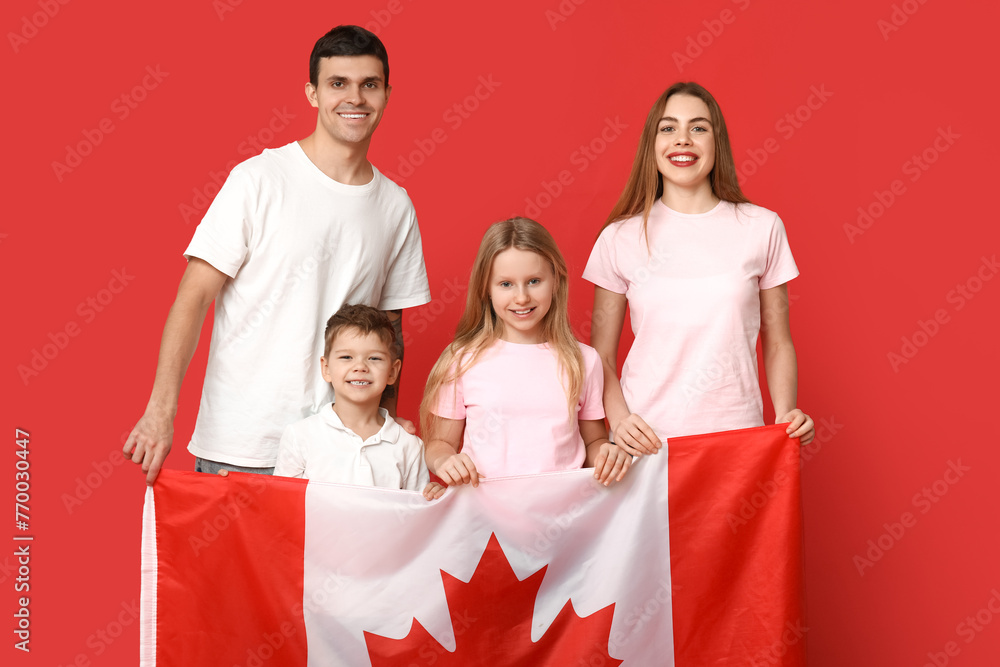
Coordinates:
[611,464]
[800,425]
[433,491]
[457,469]
[635,436]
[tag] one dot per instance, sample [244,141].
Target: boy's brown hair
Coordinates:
[366,320]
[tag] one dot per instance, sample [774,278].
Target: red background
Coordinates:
[889,90]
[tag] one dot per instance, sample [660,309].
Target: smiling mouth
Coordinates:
[360,383]
[682,160]
[522,312]
[352,115]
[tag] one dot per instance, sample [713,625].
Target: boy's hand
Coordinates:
[433,491]
[800,425]
[457,469]
[611,464]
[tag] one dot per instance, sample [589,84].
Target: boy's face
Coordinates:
[350,94]
[359,366]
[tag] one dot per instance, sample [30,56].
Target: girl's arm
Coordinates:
[631,433]
[442,452]
[780,365]
[609,461]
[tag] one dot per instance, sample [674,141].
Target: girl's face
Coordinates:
[521,287]
[685,144]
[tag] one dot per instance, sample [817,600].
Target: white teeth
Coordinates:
[353,115]
[360,383]
[523,312]
[682,158]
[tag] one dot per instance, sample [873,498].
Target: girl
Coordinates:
[515,393]
[702,270]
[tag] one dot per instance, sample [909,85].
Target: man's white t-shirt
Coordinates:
[297,245]
[694,298]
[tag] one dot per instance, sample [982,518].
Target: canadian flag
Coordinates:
[695,559]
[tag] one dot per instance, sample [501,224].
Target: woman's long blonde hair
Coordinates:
[479,327]
[645,185]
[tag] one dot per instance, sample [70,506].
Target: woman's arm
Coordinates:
[442,452]
[631,433]
[780,365]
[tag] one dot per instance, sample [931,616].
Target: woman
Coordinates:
[702,271]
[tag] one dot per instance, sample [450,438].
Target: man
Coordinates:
[293,234]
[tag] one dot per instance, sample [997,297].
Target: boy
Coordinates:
[353,440]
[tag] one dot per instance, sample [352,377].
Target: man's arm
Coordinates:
[149,442]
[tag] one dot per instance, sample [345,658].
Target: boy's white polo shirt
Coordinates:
[320,448]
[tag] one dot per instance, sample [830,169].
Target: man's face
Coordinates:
[350,94]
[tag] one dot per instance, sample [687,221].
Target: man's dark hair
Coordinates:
[347,40]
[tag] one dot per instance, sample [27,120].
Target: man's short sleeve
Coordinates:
[223,237]
[406,283]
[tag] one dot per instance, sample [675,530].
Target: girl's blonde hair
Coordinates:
[479,327]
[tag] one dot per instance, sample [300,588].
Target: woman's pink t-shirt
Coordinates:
[694,298]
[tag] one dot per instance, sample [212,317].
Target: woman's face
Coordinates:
[685,143]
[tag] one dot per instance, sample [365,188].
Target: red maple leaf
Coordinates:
[492,617]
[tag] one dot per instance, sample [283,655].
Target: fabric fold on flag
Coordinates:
[694,559]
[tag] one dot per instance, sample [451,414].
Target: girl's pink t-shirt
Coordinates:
[517,418]
[694,299]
